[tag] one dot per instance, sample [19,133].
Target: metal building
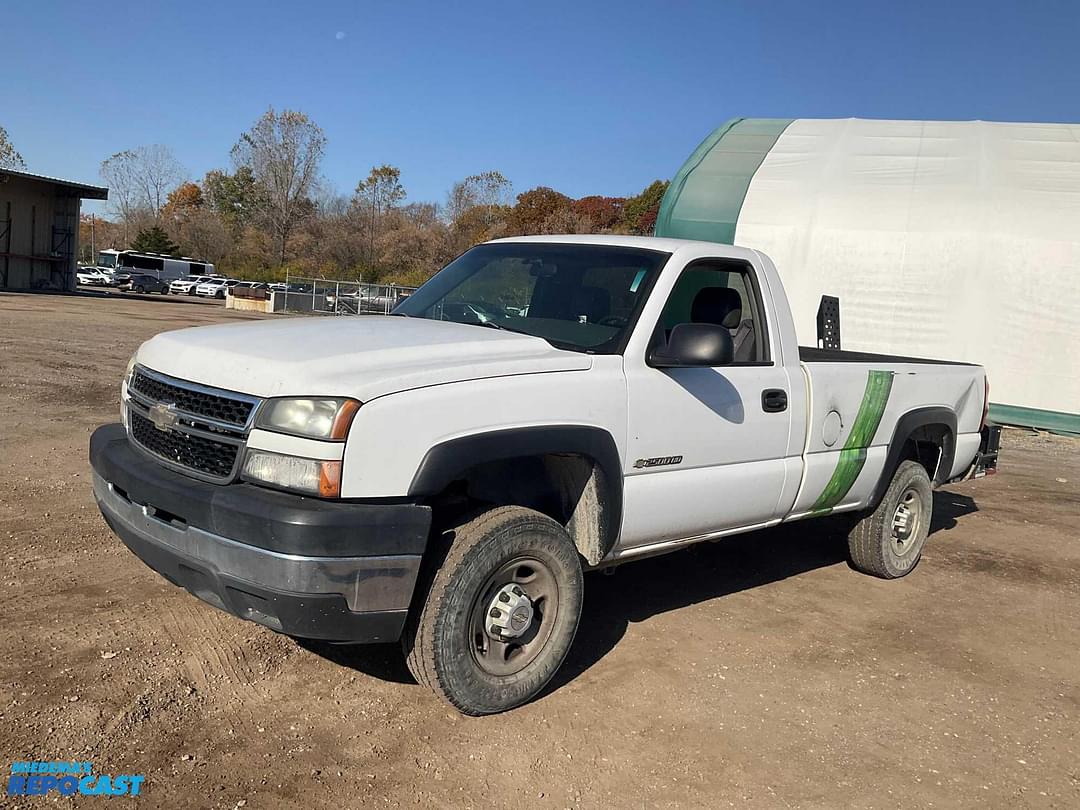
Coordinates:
[39,230]
[951,239]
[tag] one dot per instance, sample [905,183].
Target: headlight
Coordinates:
[308,475]
[315,418]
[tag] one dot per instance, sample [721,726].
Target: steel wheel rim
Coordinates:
[507,656]
[907,522]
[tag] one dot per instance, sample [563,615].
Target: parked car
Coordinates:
[215,288]
[447,482]
[92,277]
[139,283]
[186,286]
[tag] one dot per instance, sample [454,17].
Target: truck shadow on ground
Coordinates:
[639,590]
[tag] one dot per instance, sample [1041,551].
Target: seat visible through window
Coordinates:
[718,296]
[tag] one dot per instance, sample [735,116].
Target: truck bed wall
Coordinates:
[853,411]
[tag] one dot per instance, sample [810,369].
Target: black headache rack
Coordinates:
[987,458]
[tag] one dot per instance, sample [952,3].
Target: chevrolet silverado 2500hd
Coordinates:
[542,406]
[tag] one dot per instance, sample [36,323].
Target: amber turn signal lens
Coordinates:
[340,428]
[330,479]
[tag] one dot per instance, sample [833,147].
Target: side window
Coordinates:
[723,295]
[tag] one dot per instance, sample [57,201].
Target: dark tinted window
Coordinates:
[141,262]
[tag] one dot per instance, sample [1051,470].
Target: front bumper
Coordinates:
[306,567]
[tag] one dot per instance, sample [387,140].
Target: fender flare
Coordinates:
[906,425]
[449,460]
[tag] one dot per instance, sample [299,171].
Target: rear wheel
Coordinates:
[888,542]
[500,614]
[140,290]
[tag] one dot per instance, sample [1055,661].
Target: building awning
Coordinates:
[82,190]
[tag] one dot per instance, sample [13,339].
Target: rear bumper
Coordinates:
[301,566]
[986,460]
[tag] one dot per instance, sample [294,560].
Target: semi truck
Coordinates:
[445,475]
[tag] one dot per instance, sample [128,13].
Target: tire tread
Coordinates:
[865,541]
[454,544]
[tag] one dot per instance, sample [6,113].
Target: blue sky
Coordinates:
[586,97]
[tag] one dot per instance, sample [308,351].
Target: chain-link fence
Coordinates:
[327,297]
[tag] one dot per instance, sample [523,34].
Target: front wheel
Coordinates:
[140,290]
[888,542]
[500,614]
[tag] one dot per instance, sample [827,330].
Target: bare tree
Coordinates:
[283,153]
[9,157]
[477,207]
[488,189]
[139,181]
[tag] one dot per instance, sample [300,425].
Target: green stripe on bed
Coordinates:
[853,453]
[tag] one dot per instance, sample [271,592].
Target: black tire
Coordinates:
[888,542]
[447,640]
[140,290]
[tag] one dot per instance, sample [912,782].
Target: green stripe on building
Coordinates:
[853,453]
[705,197]
[1053,421]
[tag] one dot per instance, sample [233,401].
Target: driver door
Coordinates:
[706,446]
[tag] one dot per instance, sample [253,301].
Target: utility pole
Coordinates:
[93,247]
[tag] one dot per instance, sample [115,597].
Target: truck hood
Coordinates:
[362,356]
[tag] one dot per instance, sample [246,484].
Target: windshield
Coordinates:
[581,297]
[106,259]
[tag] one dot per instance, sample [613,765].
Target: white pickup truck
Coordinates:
[542,406]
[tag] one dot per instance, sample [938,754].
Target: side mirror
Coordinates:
[692,345]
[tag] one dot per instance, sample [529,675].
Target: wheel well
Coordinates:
[929,445]
[567,487]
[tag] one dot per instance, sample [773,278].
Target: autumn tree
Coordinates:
[603,213]
[180,206]
[95,234]
[283,152]
[534,208]
[154,240]
[375,197]
[9,157]
[639,212]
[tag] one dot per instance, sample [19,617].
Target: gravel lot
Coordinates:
[760,671]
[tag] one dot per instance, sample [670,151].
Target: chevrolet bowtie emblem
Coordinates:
[163,415]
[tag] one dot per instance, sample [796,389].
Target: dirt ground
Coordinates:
[760,671]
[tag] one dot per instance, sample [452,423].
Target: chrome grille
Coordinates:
[198,401]
[196,429]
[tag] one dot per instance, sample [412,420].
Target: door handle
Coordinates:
[774,400]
